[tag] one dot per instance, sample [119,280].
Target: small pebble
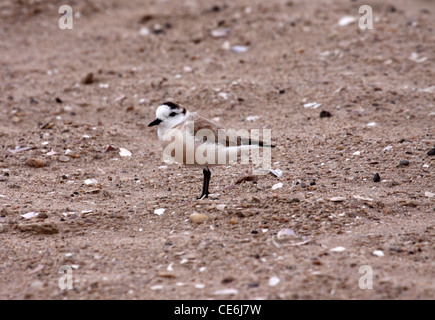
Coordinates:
[376,177]
[325,114]
[197,218]
[63,159]
[431,152]
[404,163]
[35,163]
[89,79]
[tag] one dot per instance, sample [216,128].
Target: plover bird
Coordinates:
[180,131]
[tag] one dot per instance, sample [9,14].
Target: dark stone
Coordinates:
[404,163]
[377,177]
[431,152]
[325,114]
[89,79]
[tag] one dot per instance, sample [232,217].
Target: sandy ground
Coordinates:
[107,231]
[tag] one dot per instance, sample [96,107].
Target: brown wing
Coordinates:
[203,123]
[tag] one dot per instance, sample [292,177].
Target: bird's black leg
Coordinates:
[207,175]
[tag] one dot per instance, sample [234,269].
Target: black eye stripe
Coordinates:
[172,114]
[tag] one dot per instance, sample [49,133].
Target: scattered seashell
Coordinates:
[312,105]
[239,49]
[378,253]
[338,249]
[277,186]
[362,198]
[337,199]
[285,233]
[30,215]
[220,32]
[89,182]
[273,281]
[144,31]
[221,207]
[276,172]
[428,90]
[124,152]
[159,212]
[229,291]
[346,20]
[252,118]
[414,57]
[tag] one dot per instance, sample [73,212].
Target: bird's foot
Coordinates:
[202,196]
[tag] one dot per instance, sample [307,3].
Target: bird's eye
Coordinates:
[172,114]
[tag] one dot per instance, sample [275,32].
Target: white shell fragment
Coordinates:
[312,105]
[30,215]
[277,172]
[428,89]
[362,198]
[239,49]
[124,152]
[220,32]
[273,281]
[378,253]
[229,291]
[337,199]
[51,153]
[89,182]
[156,287]
[277,186]
[221,207]
[414,57]
[338,249]
[346,20]
[144,31]
[159,212]
[284,233]
[252,118]
[429,194]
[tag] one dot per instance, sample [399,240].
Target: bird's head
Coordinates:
[168,115]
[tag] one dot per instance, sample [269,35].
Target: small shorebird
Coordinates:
[176,121]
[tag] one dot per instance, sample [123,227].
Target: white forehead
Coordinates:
[163,111]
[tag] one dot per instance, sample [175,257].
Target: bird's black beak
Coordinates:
[155,122]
